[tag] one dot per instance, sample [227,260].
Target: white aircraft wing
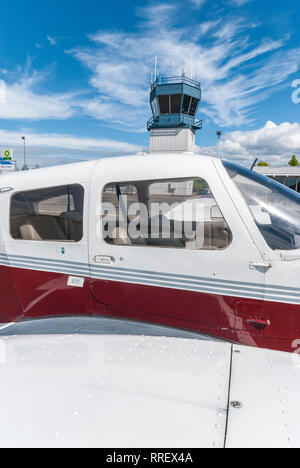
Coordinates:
[91,390]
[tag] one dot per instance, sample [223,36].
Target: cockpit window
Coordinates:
[275,208]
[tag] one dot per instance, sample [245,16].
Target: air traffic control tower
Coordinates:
[174,102]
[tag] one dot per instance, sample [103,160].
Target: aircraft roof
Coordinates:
[83,170]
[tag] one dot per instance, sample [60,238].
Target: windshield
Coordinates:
[275,208]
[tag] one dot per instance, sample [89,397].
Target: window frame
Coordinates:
[12,195]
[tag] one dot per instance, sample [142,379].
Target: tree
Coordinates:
[263,163]
[294,161]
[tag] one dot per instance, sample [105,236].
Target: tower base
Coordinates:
[172,140]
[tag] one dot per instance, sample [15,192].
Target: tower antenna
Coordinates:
[155,68]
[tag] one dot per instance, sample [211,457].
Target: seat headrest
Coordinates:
[41,227]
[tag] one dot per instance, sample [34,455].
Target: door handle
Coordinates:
[258,266]
[104,259]
[261,324]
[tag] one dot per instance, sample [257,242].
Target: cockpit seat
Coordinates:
[41,227]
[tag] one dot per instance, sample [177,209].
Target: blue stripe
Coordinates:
[152,276]
[50,260]
[197,278]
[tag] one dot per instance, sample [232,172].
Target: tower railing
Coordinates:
[183,120]
[161,80]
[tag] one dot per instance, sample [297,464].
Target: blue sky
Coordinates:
[77,75]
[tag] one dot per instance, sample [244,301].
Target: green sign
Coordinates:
[7,155]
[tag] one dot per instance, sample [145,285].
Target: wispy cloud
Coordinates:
[236,71]
[239,3]
[24,101]
[52,41]
[198,3]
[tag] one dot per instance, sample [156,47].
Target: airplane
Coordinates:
[169,237]
[238,280]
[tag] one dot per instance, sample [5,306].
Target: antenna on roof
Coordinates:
[253,164]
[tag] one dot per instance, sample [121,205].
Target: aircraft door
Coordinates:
[171,249]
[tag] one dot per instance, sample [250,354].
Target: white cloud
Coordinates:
[24,102]
[272,143]
[239,3]
[236,72]
[198,3]
[52,40]
[52,148]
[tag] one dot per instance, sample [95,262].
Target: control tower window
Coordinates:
[164,104]
[189,105]
[169,104]
[193,106]
[155,107]
[175,103]
[186,104]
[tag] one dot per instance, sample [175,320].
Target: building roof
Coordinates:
[278,171]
